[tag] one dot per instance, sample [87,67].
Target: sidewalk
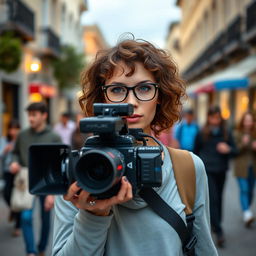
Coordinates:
[14,246]
[240,241]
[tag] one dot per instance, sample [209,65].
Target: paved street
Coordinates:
[240,241]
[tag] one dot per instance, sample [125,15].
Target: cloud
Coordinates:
[147,19]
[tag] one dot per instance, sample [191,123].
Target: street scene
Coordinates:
[142,113]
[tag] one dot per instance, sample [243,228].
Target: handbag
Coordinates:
[21,199]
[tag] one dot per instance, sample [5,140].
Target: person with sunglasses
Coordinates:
[135,72]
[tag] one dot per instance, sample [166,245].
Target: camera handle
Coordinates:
[154,139]
[138,134]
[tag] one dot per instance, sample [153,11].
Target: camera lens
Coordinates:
[99,169]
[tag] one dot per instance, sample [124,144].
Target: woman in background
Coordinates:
[245,164]
[214,145]
[6,155]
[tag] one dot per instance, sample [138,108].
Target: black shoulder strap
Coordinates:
[160,207]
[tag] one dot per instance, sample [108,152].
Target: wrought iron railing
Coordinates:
[21,18]
[52,41]
[232,34]
[250,17]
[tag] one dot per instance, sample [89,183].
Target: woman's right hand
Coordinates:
[83,200]
[245,139]
[8,148]
[14,167]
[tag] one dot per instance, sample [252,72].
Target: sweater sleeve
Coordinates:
[78,232]
[16,150]
[201,228]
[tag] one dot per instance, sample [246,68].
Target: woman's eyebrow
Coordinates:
[144,81]
[122,84]
[118,83]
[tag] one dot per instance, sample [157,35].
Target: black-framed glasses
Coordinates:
[119,92]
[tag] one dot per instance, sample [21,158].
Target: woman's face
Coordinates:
[144,111]
[214,119]
[248,121]
[13,132]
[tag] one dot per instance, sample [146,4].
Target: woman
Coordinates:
[214,144]
[245,164]
[133,72]
[6,155]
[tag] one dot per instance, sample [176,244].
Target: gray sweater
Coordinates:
[28,137]
[133,228]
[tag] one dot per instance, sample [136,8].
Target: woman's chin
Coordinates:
[134,126]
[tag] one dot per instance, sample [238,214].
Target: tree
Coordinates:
[10,52]
[68,67]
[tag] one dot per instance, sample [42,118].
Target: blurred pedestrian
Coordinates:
[6,157]
[38,132]
[167,138]
[65,128]
[245,164]
[215,144]
[185,132]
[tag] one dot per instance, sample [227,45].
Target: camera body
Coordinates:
[112,152]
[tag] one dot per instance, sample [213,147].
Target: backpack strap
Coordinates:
[184,172]
[185,176]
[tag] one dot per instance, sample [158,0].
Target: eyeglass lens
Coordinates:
[118,93]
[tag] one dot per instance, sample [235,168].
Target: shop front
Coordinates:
[232,89]
[39,91]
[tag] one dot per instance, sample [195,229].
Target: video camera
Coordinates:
[112,152]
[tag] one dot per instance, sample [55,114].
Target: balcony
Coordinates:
[50,43]
[212,55]
[250,35]
[228,44]
[16,17]
[234,43]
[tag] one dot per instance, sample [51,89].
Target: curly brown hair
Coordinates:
[240,126]
[157,61]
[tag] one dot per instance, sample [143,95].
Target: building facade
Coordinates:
[217,55]
[94,41]
[42,26]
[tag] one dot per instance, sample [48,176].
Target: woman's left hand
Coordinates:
[254,145]
[223,148]
[83,200]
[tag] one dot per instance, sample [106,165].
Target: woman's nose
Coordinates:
[131,99]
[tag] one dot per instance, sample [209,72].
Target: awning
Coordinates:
[231,84]
[233,77]
[47,91]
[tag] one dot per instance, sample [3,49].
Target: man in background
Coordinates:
[65,128]
[186,131]
[38,132]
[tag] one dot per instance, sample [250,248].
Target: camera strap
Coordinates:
[161,208]
[184,172]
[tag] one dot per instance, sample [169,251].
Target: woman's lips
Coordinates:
[133,119]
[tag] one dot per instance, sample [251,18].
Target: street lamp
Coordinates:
[35,65]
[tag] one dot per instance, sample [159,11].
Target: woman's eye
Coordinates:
[117,89]
[144,88]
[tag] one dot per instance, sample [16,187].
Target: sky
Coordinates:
[146,19]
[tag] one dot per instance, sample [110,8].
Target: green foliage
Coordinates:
[68,67]
[10,53]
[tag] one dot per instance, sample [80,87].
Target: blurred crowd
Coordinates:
[215,143]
